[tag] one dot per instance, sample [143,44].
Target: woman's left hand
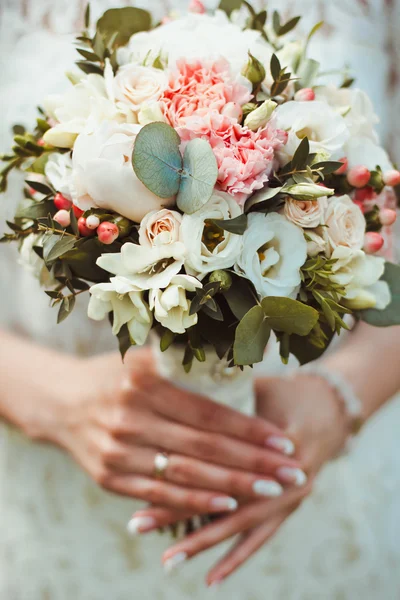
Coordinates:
[306,408]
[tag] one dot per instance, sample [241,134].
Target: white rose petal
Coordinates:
[134,86]
[151,113]
[345,223]
[171,306]
[274,250]
[58,171]
[160,227]
[306,214]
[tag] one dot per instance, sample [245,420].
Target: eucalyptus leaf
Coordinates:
[284,29]
[66,308]
[199,175]
[390,315]
[262,195]
[240,296]
[289,316]
[299,160]
[275,66]
[62,245]
[126,21]
[237,225]
[252,335]
[42,188]
[303,349]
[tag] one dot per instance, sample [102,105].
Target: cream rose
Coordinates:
[305,213]
[274,250]
[345,224]
[103,175]
[160,227]
[208,246]
[171,306]
[135,85]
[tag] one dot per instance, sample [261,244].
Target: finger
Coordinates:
[155,517]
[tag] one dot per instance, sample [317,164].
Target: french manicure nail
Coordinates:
[272,489]
[171,563]
[281,444]
[292,475]
[138,525]
[223,504]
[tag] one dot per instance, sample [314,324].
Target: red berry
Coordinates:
[387,216]
[107,232]
[373,242]
[365,194]
[63,218]
[359,176]
[77,211]
[391,178]
[61,202]
[343,169]
[83,230]
[360,205]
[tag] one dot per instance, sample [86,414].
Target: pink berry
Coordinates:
[196,6]
[305,95]
[360,205]
[63,218]
[391,178]
[359,176]
[107,232]
[77,211]
[61,202]
[83,230]
[387,216]
[373,242]
[343,169]
[41,142]
[92,222]
[365,194]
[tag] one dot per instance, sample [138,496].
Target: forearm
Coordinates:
[370,361]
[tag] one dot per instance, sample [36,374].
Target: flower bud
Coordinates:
[343,169]
[373,242]
[107,232]
[254,70]
[387,216]
[391,178]
[63,218]
[61,202]
[307,191]
[83,230]
[92,221]
[305,95]
[223,277]
[359,176]
[260,116]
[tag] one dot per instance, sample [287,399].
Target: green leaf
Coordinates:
[288,26]
[305,351]
[252,335]
[237,225]
[40,187]
[91,56]
[124,340]
[89,67]
[275,66]
[390,315]
[87,16]
[262,195]
[39,164]
[66,308]
[241,297]
[299,160]
[126,21]
[54,249]
[327,167]
[307,73]
[212,309]
[200,172]
[289,316]
[166,340]
[157,160]
[229,6]
[276,22]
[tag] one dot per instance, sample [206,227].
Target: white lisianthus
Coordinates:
[151,113]
[209,247]
[58,171]
[315,243]
[143,267]
[171,306]
[364,151]
[261,115]
[103,175]
[81,108]
[274,250]
[345,223]
[307,214]
[129,309]
[360,274]
[325,129]
[160,227]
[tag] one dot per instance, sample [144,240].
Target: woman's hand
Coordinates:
[307,409]
[114,419]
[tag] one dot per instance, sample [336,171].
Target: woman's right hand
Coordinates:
[115,418]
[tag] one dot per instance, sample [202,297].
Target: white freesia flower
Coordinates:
[58,171]
[160,227]
[364,151]
[81,108]
[171,306]
[360,273]
[274,250]
[129,309]
[209,247]
[345,223]
[103,175]
[325,129]
[142,267]
[315,243]
[307,214]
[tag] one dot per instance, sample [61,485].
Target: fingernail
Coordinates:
[138,525]
[292,475]
[281,444]
[224,504]
[171,563]
[271,489]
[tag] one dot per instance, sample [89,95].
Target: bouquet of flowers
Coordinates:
[197,179]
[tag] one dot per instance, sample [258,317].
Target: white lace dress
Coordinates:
[61,537]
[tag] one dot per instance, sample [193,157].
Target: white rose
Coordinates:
[325,129]
[171,306]
[360,273]
[345,223]
[364,151]
[160,227]
[58,171]
[129,309]
[209,247]
[273,252]
[82,107]
[151,113]
[103,175]
[135,85]
[305,213]
[315,244]
[141,267]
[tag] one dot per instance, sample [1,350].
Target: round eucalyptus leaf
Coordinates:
[157,160]
[199,176]
[251,338]
[289,316]
[122,23]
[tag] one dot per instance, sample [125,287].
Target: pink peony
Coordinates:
[199,87]
[245,158]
